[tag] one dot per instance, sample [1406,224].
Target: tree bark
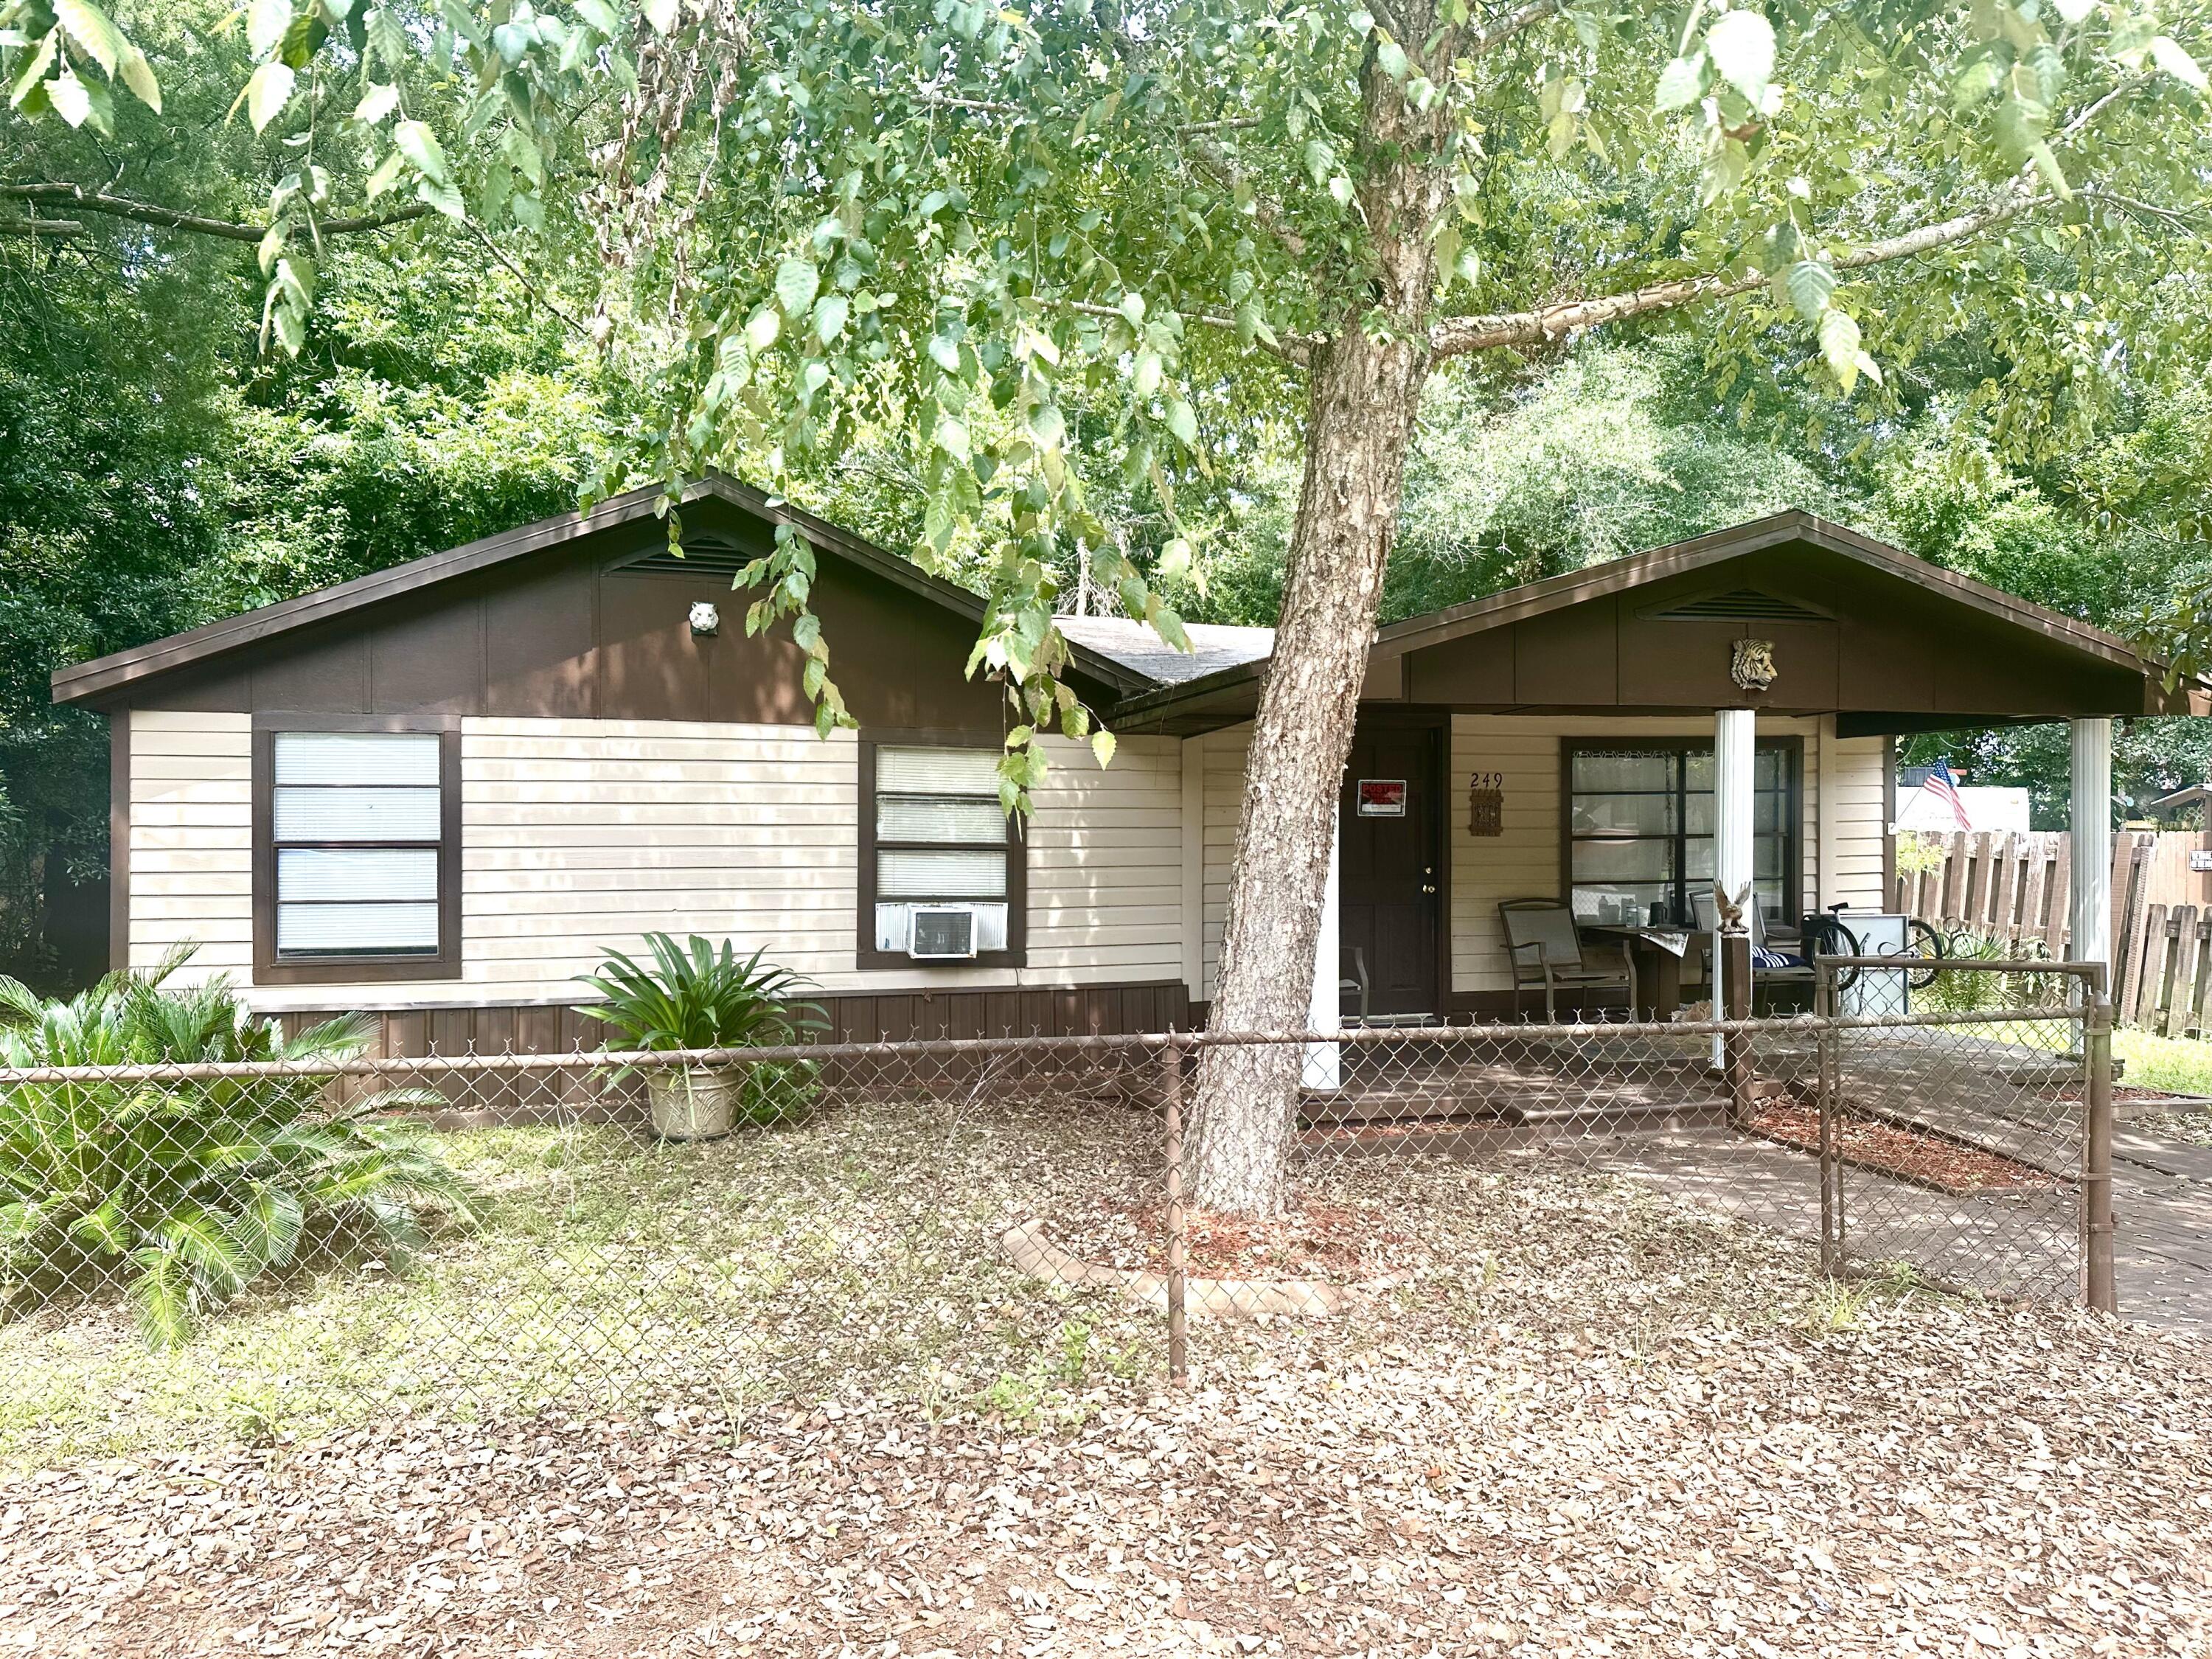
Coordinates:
[1365,391]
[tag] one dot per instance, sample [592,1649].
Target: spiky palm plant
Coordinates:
[696,995]
[191,1190]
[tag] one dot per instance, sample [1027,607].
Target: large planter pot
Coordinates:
[699,1103]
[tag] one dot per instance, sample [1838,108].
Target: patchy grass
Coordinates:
[608,1268]
[2181,1065]
[856,1253]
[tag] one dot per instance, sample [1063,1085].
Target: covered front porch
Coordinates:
[1617,743]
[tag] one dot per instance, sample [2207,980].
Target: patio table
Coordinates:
[1658,952]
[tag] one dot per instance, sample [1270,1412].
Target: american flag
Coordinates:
[1945,788]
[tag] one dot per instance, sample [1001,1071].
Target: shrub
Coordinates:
[192,1191]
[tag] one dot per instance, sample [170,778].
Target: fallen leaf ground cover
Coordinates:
[1590,1418]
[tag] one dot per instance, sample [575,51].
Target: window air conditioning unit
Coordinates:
[942,932]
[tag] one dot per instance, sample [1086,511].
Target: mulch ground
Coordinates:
[1596,1422]
[1909,1154]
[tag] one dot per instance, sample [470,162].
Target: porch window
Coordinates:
[1639,823]
[940,838]
[356,849]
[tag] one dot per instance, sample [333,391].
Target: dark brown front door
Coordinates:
[1390,904]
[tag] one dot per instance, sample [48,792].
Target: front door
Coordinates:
[1390,903]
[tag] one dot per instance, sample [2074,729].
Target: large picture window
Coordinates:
[1639,830]
[355,849]
[938,837]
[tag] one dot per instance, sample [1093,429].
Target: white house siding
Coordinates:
[578,834]
[191,826]
[1105,865]
[1223,802]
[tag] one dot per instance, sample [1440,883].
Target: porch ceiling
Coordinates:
[1885,641]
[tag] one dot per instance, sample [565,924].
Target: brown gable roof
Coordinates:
[1641,569]
[104,676]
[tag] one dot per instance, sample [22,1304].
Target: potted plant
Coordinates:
[697,996]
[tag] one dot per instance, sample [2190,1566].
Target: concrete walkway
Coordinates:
[2162,1217]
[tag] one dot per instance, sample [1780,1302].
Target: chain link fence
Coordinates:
[985,1219]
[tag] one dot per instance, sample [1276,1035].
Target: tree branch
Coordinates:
[1293,349]
[1461,335]
[1489,38]
[528,287]
[147,213]
[54,228]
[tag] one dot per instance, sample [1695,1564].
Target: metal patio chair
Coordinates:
[1548,952]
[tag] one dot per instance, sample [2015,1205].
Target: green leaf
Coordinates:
[661,13]
[797,282]
[1681,82]
[1102,746]
[68,97]
[1742,46]
[30,76]
[1182,421]
[265,23]
[1048,424]
[829,313]
[95,36]
[385,175]
[951,437]
[1807,284]
[1839,346]
[422,149]
[601,16]
[377,103]
[162,1292]
[2167,53]
[138,75]
[761,331]
[1392,57]
[945,351]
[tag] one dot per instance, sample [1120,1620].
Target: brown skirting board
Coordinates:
[879,1017]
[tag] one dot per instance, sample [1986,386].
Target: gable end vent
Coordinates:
[701,558]
[1744,605]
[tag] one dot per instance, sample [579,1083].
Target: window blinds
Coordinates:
[357,817]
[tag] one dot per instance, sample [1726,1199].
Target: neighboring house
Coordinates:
[442,790]
[2000,809]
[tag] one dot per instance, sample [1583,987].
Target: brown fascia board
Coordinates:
[1638,569]
[104,677]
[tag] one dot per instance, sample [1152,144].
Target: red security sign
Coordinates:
[1382,797]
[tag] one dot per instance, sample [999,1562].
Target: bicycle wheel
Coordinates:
[1839,941]
[1927,944]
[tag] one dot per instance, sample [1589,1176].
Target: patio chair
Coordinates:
[1546,951]
[1357,980]
[1770,960]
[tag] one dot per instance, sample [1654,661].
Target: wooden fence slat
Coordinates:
[2200,975]
[2180,926]
[2143,941]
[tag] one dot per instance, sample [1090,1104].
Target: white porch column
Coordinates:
[1734,793]
[1323,1070]
[2090,816]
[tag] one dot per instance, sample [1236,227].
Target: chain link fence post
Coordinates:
[1735,951]
[1825,1002]
[2100,1290]
[1172,1111]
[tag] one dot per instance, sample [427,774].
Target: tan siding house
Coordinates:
[443,791]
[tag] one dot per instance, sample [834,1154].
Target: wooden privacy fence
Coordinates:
[2011,891]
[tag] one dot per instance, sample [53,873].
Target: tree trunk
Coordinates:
[1365,391]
